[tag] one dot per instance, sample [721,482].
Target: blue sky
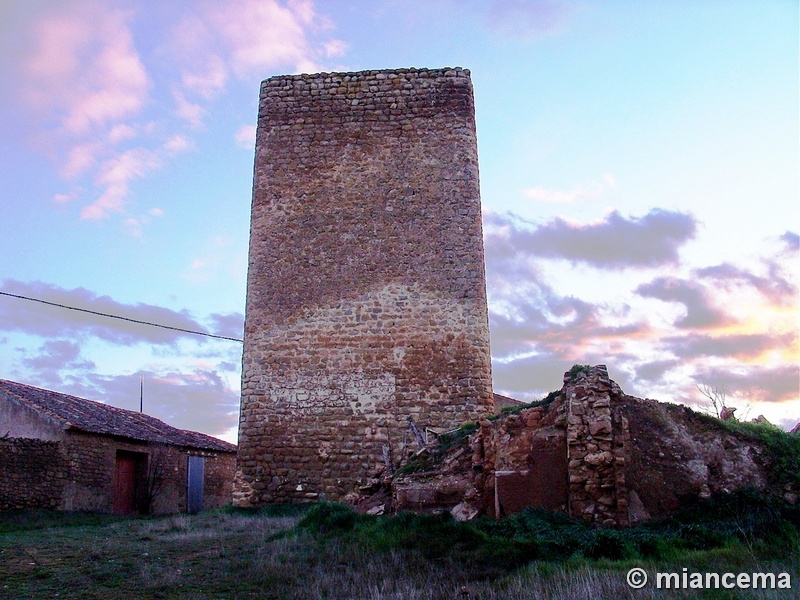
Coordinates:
[638,176]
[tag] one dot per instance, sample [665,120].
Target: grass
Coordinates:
[329,551]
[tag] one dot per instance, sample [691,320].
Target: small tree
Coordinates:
[155,476]
[717,401]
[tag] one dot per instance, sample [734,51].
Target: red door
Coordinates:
[125,484]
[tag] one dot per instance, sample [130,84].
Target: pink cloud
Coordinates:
[208,81]
[589,191]
[88,87]
[84,71]
[80,158]
[248,37]
[177,144]
[335,48]
[120,133]
[189,111]
[264,34]
[115,175]
[245,137]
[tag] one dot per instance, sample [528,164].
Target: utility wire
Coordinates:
[94,312]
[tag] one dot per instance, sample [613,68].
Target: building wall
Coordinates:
[366,298]
[20,421]
[78,474]
[33,473]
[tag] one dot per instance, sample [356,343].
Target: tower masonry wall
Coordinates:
[366,294]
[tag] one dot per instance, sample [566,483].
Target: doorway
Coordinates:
[194,484]
[126,477]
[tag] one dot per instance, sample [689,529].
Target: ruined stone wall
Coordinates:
[366,297]
[596,449]
[602,456]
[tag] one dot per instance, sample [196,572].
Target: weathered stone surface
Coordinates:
[658,458]
[366,298]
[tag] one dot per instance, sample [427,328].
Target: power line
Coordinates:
[94,312]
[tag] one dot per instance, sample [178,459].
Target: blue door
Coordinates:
[194,484]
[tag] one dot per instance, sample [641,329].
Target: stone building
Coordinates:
[67,453]
[366,295]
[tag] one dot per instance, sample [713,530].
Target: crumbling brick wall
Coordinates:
[366,297]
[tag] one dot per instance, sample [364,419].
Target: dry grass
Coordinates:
[238,555]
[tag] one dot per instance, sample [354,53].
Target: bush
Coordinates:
[576,370]
[330,518]
[489,547]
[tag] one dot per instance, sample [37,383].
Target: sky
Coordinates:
[639,183]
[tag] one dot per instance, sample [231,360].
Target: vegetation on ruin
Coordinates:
[431,457]
[782,448]
[329,551]
[576,370]
[511,410]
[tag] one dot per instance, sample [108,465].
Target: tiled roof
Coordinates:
[95,417]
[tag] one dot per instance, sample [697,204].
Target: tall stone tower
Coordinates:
[366,293]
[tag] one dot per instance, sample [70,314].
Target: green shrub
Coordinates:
[756,525]
[609,543]
[576,370]
[330,518]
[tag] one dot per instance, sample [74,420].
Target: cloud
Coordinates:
[739,346]
[616,242]
[209,81]
[80,158]
[791,241]
[265,34]
[48,321]
[245,38]
[177,144]
[92,97]
[198,401]
[700,309]
[530,378]
[228,324]
[63,198]
[529,19]
[655,370]
[135,225]
[245,137]
[84,70]
[591,191]
[772,384]
[55,355]
[773,285]
[335,48]
[87,84]
[189,111]
[115,175]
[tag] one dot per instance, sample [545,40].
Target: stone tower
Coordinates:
[366,293]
